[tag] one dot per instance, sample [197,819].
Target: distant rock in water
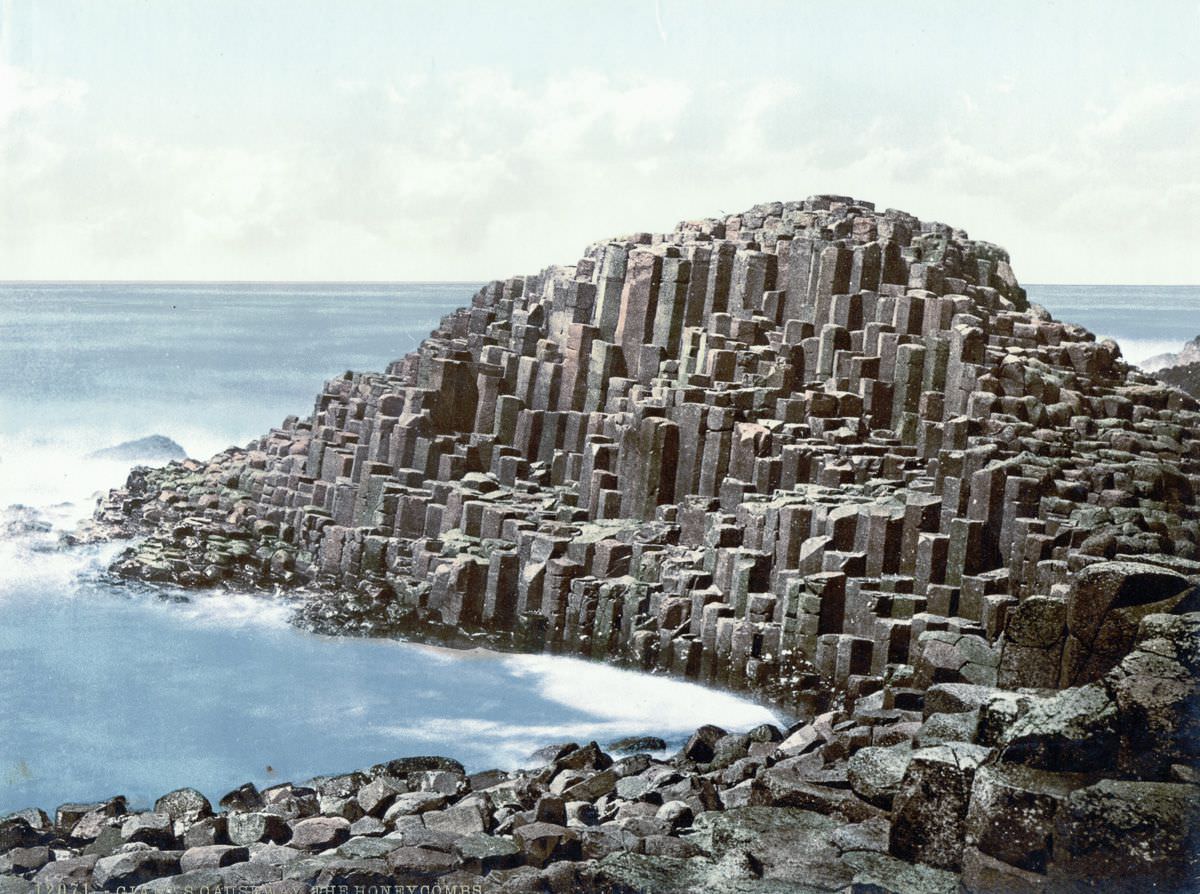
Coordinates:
[17,520]
[155,448]
[1188,355]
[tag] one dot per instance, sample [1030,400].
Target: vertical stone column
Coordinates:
[636,321]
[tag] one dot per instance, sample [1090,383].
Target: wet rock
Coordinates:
[401,767]
[637,745]
[702,745]
[550,809]
[16,832]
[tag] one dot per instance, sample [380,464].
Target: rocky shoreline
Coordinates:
[819,452]
[947,789]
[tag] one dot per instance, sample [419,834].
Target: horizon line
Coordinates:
[448,282]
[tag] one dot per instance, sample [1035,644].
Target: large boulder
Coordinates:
[481,854]
[1075,729]
[875,773]
[212,856]
[248,828]
[930,810]
[947,657]
[132,868]
[69,872]
[1032,646]
[1106,603]
[1157,694]
[787,845]
[185,804]
[319,833]
[1012,812]
[1129,836]
[154,829]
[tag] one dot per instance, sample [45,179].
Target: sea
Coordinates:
[114,688]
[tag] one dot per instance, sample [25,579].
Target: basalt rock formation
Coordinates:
[1188,354]
[1185,377]
[818,451]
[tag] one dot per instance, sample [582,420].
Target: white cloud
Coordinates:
[476,174]
[23,91]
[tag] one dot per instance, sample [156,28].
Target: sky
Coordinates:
[306,140]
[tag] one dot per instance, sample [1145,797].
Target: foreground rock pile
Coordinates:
[905,792]
[821,452]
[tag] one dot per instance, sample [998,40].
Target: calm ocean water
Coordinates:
[113,689]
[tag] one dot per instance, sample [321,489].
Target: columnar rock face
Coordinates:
[816,450]
[812,438]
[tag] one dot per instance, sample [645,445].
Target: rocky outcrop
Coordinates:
[1181,370]
[1185,377]
[1187,355]
[153,448]
[818,451]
